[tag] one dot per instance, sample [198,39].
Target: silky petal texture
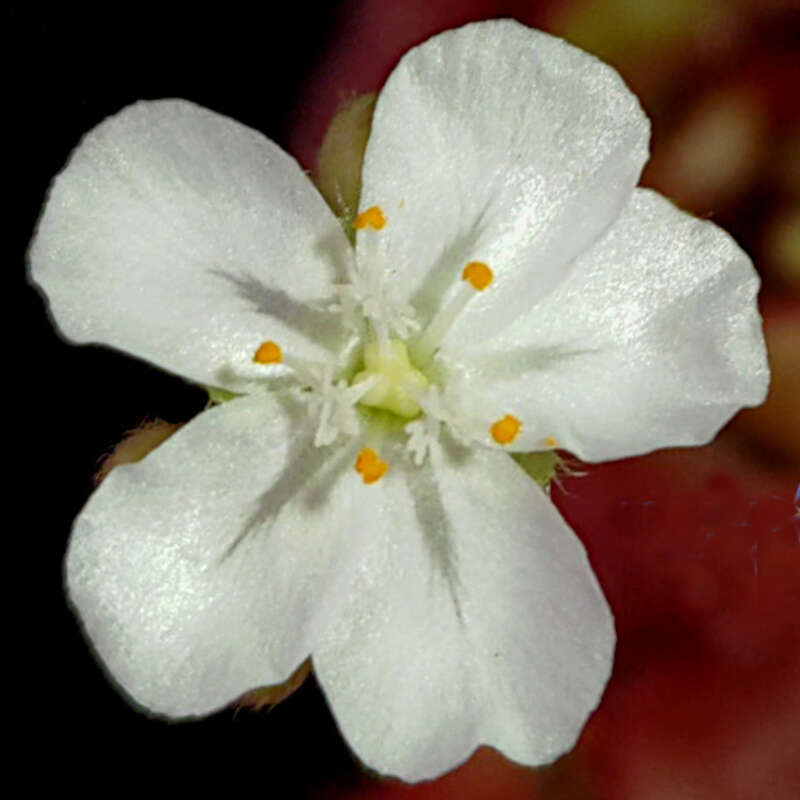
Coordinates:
[654,340]
[212,566]
[476,620]
[187,239]
[500,144]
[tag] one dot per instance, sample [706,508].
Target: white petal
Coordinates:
[211,567]
[476,620]
[187,239]
[654,340]
[501,144]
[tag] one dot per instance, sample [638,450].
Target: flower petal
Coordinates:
[476,620]
[654,340]
[500,144]
[187,239]
[210,567]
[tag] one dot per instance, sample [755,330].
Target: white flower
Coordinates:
[443,600]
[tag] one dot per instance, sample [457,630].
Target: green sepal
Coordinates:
[541,466]
[340,157]
[218,396]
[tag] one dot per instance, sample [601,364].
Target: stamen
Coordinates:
[369,466]
[476,276]
[381,331]
[372,217]
[268,353]
[551,442]
[347,305]
[505,430]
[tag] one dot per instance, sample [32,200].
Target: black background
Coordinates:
[68,68]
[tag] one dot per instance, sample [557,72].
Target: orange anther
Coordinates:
[505,430]
[478,274]
[551,441]
[373,217]
[369,466]
[268,353]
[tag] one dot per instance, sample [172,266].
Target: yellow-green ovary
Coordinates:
[398,380]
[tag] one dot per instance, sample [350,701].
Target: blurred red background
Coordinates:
[698,550]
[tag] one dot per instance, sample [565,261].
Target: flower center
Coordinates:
[389,380]
[398,384]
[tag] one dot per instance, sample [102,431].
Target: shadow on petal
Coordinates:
[315,323]
[303,462]
[328,248]
[437,530]
[520,360]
